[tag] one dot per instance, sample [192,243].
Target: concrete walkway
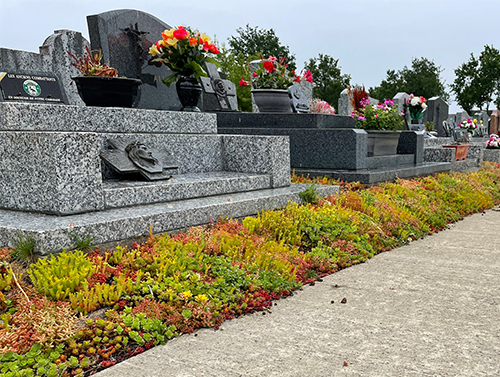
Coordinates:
[431,308]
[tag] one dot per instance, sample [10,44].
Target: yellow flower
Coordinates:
[204,38]
[168,34]
[475,120]
[153,50]
[186,294]
[172,42]
[201,299]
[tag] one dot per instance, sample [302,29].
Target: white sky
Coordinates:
[367,36]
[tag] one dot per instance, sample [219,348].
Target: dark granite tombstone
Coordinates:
[437,112]
[127,156]
[218,94]
[298,100]
[125,36]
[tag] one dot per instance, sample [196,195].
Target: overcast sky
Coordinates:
[367,36]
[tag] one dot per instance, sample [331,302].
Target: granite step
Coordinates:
[377,175]
[123,193]
[51,232]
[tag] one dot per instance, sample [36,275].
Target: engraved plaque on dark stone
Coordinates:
[298,100]
[125,36]
[218,94]
[127,156]
[39,88]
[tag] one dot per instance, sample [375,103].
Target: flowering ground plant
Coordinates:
[416,106]
[273,73]
[470,125]
[321,107]
[184,52]
[383,116]
[493,142]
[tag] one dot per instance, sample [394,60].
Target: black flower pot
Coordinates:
[272,100]
[108,91]
[189,92]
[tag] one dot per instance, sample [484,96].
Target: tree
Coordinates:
[423,79]
[478,80]
[328,81]
[234,67]
[255,41]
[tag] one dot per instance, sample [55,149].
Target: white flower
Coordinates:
[415,101]
[424,106]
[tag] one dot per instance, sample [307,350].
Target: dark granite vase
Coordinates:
[189,92]
[108,91]
[272,100]
[382,143]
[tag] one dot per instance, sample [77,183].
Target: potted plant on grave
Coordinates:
[469,125]
[270,83]
[493,142]
[416,106]
[379,120]
[184,51]
[460,144]
[99,84]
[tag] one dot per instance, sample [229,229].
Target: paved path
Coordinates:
[431,308]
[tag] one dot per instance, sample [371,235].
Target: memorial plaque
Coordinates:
[218,94]
[21,87]
[298,100]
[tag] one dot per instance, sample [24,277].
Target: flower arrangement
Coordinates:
[321,107]
[383,116]
[184,51]
[273,73]
[90,65]
[416,106]
[470,125]
[493,142]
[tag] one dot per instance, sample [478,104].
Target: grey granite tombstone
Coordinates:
[400,100]
[307,88]
[53,59]
[125,36]
[437,112]
[345,107]
[483,116]
[298,100]
[218,94]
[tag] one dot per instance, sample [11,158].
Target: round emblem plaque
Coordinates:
[32,88]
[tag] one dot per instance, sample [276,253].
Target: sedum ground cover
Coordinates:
[76,313]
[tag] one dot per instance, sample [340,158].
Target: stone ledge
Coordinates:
[377,175]
[51,232]
[64,118]
[184,186]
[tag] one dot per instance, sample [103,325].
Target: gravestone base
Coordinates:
[322,144]
[377,175]
[51,233]
[53,175]
[434,152]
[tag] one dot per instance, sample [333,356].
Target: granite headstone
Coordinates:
[125,36]
[437,112]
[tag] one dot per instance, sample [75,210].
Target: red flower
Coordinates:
[181,33]
[308,76]
[206,46]
[254,74]
[243,82]
[268,66]
[213,48]
[296,79]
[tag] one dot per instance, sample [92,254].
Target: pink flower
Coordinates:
[243,82]
[376,115]
[272,58]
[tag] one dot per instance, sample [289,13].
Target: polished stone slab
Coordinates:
[377,175]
